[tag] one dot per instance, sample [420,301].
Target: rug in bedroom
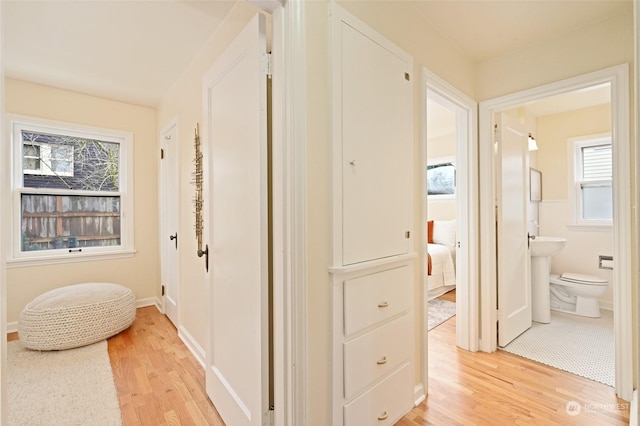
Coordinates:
[439,311]
[65,388]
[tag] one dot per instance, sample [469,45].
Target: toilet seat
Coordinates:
[576,294]
[582,279]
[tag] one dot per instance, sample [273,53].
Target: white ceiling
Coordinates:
[126,50]
[484,29]
[134,50]
[578,99]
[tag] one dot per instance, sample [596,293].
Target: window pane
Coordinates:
[67,221]
[31,151]
[65,162]
[31,164]
[596,162]
[597,202]
[441,179]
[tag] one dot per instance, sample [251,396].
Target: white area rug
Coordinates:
[579,345]
[70,387]
[439,311]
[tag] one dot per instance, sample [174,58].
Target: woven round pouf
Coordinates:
[76,315]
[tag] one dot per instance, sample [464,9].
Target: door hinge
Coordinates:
[407,76]
[162,290]
[162,153]
[407,234]
[268,65]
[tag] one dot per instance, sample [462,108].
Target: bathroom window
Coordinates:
[590,183]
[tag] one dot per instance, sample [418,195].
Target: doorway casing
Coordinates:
[618,79]
[467,219]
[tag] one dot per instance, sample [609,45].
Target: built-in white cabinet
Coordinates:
[373,343]
[372,275]
[376,150]
[372,146]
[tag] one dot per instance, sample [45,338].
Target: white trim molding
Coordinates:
[618,79]
[289,156]
[634,414]
[419,394]
[574,181]
[17,255]
[193,346]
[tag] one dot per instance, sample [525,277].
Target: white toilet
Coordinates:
[577,293]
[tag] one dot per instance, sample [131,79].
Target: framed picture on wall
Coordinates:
[535,185]
[441,178]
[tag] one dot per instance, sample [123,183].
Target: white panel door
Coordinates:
[514,277]
[169,215]
[377,142]
[236,136]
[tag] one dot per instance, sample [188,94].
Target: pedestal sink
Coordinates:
[542,248]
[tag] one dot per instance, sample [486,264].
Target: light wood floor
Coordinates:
[477,388]
[159,382]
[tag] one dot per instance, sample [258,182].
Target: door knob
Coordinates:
[174,237]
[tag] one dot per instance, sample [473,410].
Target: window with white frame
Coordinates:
[591,181]
[72,191]
[441,178]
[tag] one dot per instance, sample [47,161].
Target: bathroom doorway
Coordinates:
[552,211]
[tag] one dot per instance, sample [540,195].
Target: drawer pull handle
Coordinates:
[383,416]
[382,360]
[383,304]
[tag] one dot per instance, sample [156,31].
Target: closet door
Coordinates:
[376,149]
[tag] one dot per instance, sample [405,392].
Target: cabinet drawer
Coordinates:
[374,354]
[376,297]
[384,404]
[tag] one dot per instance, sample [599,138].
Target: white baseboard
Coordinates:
[12,327]
[419,394]
[633,412]
[149,301]
[193,346]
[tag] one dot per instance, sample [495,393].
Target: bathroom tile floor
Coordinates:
[579,345]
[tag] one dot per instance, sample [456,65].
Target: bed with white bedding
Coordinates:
[442,251]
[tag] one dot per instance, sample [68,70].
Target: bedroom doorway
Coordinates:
[449,188]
